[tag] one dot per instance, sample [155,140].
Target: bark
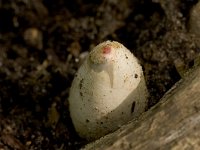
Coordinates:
[174,123]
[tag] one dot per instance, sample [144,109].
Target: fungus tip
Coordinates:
[106,49]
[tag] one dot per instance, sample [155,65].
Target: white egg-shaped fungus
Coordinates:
[108,91]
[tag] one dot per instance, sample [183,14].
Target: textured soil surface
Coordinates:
[43,42]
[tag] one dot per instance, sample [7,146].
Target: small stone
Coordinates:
[34,38]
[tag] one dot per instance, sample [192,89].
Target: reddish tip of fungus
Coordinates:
[106,50]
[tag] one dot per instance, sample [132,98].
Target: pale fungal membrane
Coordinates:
[108,91]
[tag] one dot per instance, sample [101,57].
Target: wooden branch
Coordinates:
[174,123]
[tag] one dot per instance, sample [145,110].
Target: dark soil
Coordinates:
[43,42]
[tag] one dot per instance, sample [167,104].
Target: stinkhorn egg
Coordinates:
[108,91]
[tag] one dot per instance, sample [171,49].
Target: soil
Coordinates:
[43,42]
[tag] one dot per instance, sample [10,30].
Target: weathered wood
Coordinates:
[174,123]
